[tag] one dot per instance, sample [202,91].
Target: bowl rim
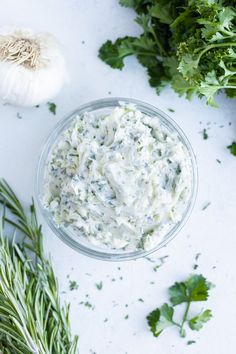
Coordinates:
[50,140]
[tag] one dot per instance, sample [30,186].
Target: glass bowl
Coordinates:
[79,243]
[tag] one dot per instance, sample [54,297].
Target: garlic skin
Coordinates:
[32,68]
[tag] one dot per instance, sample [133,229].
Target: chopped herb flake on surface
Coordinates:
[206,206]
[52,107]
[73,285]
[232,148]
[189,342]
[204,134]
[99,285]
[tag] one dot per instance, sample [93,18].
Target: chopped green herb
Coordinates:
[73,285]
[206,206]
[52,107]
[189,342]
[197,256]
[195,288]
[99,285]
[232,148]
[195,266]
[37,106]
[161,262]
[140,300]
[88,304]
[218,160]
[126,317]
[19,116]
[204,134]
[171,110]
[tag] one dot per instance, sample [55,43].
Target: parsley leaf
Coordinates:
[195,288]
[196,323]
[160,318]
[232,148]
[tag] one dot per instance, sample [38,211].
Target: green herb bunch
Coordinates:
[195,288]
[188,44]
[32,320]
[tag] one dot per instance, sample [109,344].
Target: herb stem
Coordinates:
[219,45]
[158,43]
[182,334]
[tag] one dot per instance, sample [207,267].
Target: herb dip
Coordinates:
[121,180]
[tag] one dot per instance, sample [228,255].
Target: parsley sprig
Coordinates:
[188,44]
[195,288]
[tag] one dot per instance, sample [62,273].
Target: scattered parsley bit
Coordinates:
[204,134]
[99,285]
[195,288]
[232,148]
[37,106]
[206,206]
[126,317]
[197,256]
[105,320]
[161,262]
[195,266]
[189,342]
[140,300]
[52,107]
[19,116]
[87,304]
[218,160]
[73,285]
[149,259]
[171,110]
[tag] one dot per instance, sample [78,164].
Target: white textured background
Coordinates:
[211,232]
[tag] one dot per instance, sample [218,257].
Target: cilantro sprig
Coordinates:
[195,288]
[188,44]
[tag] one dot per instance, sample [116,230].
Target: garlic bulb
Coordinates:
[32,69]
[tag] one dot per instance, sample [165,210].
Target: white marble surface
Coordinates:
[211,232]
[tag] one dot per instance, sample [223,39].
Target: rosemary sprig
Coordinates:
[32,320]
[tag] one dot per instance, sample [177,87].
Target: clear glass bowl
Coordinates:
[80,244]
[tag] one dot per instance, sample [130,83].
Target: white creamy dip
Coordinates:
[120,180]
